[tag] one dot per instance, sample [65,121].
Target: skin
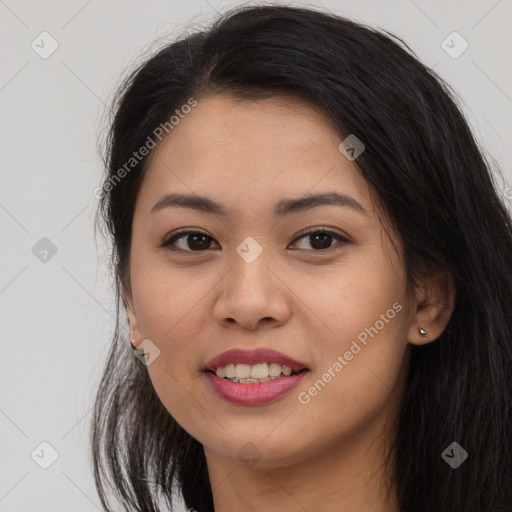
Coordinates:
[296,297]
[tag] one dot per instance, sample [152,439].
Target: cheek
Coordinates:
[362,367]
[168,302]
[361,350]
[352,297]
[170,310]
[169,316]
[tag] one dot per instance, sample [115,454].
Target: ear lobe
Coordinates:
[135,335]
[435,300]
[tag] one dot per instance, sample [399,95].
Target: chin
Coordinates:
[260,451]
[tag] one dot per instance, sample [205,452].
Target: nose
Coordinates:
[253,296]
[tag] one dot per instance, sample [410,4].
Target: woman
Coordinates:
[315,269]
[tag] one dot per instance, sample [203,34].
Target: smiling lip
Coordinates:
[259,355]
[253,393]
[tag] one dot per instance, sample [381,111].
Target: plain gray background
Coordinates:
[57,307]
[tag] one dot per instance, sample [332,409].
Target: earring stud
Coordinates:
[422,331]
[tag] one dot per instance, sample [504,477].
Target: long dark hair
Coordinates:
[435,185]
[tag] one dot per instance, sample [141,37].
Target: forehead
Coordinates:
[235,116]
[251,152]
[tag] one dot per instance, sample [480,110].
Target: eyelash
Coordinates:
[182,234]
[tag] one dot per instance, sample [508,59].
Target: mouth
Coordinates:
[252,374]
[253,377]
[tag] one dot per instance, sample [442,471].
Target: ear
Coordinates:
[434,302]
[135,334]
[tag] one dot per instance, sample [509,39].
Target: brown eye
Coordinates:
[194,241]
[321,239]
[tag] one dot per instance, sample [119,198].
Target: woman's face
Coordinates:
[250,278]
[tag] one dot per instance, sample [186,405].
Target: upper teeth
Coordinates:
[255,371]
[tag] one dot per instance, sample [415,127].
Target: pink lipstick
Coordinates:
[253,377]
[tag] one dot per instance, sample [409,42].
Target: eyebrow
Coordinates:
[284,207]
